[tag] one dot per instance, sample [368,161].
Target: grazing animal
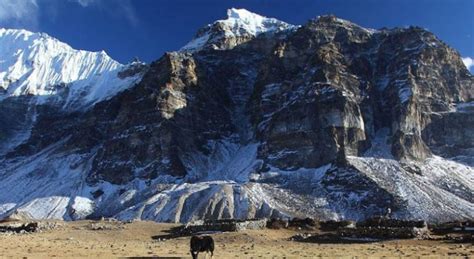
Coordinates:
[201,244]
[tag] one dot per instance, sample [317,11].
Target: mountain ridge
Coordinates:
[327,120]
[38,64]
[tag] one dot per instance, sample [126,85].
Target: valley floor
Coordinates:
[142,239]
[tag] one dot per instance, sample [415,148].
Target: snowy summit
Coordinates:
[243,21]
[39,65]
[239,23]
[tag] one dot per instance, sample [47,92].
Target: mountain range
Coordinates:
[253,118]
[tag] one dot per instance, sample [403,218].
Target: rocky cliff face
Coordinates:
[258,118]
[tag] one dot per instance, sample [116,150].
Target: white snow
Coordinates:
[468,62]
[51,207]
[229,161]
[37,64]
[196,44]
[239,22]
[5,207]
[348,23]
[429,195]
[46,187]
[82,207]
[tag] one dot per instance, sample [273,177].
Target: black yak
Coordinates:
[201,244]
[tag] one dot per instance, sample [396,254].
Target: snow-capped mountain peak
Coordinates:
[240,24]
[242,20]
[330,121]
[38,64]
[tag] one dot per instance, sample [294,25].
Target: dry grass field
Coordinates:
[91,239]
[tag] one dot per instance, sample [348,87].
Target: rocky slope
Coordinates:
[256,118]
[38,72]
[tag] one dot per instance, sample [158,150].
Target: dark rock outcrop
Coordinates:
[305,98]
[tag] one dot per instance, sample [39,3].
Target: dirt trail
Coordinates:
[112,239]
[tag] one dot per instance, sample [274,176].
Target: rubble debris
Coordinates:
[464,238]
[296,223]
[223,225]
[329,238]
[277,223]
[110,225]
[370,230]
[453,227]
[19,228]
[306,223]
[49,225]
[384,232]
[251,224]
[391,223]
[332,225]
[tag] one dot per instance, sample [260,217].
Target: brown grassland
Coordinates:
[139,239]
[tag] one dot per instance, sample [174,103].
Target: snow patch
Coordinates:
[82,207]
[468,62]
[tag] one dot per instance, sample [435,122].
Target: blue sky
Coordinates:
[148,28]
